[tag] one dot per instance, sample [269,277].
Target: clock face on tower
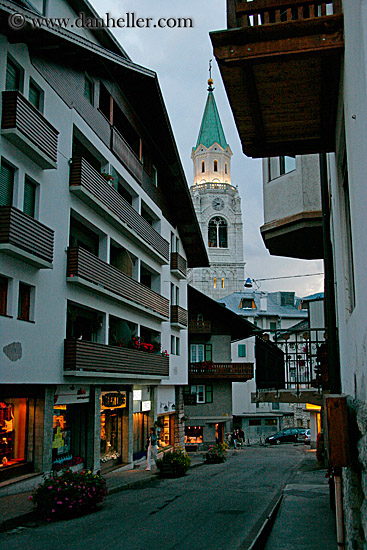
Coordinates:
[218,203]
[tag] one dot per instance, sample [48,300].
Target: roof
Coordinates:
[211,129]
[273,309]
[137,83]
[313,297]
[222,319]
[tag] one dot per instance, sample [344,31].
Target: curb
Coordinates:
[265,529]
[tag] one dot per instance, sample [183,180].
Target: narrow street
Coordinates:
[214,506]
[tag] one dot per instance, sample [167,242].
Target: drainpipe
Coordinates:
[329,301]
[339,508]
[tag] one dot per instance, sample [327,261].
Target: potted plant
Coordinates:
[174,464]
[216,453]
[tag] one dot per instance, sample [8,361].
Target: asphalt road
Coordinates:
[216,507]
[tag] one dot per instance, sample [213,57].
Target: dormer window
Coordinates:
[247,303]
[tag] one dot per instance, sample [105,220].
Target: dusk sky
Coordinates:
[181,57]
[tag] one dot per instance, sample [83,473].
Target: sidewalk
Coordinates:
[304,520]
[16,509]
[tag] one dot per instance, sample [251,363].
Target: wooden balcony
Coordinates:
[94,190]
[178,317]
[29,130]
[236,372]
[86,270]
[178,265]
[280,63]
[25,238]
[200,327]
[82,358]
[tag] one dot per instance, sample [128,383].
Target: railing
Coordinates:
[304,360]
[264,12]
[178,316]
[84,175]
[226,371]
[84,264]
[178,263]
[80,355]
[26,233]
[200,327]
[217,186]
[18,113]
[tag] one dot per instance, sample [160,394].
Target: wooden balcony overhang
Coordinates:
[178,265]
[86,270]
[298,236]
[179,317]
[199,327]
[282,81]
[29,130]
[303,395]
[25,238]
[236,372]
[83,358]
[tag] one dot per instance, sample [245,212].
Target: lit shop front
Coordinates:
[114,423]
[142,406]
[166,416]
[16,433]
[70,415]
[194,438]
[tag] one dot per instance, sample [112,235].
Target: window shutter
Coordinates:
[29,198]
[6,184]
[208,352]
[208,394]
[12,76]
[34,96]
[24,302]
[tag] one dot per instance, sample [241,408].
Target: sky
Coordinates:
[180,57]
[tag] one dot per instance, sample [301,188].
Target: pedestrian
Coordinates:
[235,437]
[151,448]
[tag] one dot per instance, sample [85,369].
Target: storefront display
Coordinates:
[113,405]
[13,431]
[165,430]
[193,436]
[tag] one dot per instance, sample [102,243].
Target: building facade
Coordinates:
[218,208]
[93,253]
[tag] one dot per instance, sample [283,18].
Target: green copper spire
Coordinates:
[211,129]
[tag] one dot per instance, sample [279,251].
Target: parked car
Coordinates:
[289,434]
[308,437]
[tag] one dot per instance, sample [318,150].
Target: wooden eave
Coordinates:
[282,82]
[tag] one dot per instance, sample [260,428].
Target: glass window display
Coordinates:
[13,430]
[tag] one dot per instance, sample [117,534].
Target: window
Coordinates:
[275,406]
[287,164]
[200,352]
[208,394]
[247,303]
[13,76]
[3,295]
[6,184]
[155,176]
[218,233]
[24,302]
[348,240]
[270,421]
[222,282]
[215,282]
[241,350]
[273,326]
[89,89]
[200,394]
[254,422]
[29,202]
[202,166]
[177,346]
[215,166]
[35,95]
[225,168]
[173,346]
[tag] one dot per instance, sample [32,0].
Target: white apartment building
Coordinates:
[93,252]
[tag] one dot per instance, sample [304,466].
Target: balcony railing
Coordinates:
[179,316]
[239,372]
[178,265]
[264,12]
[200,327]
[27,128]
[92,188]
[87,357]
[84,268]
[26,238]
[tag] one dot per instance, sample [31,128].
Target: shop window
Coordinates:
[254,422]
[270,421]
[193,435]
[29,200]
[69,435]
[35,95]
[113,408]
[165,431]
[6,184]
[13,431]
[241,350]
[4,284]
[25,299]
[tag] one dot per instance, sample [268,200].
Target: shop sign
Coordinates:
[137,394]
[146,406]
[114,400]
[68,395]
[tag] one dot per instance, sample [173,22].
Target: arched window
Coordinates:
[226,168]
[202,166]
[218,233]
[215,166]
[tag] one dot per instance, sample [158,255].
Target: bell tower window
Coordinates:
[225,168]
[202,166]
[218,233]
[215,166]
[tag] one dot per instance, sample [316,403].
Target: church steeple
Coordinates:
[211,129]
